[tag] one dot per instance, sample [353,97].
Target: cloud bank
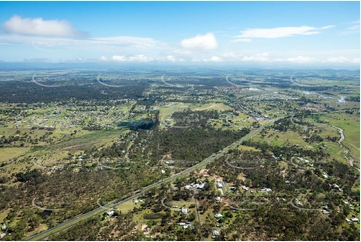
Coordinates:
[38,26]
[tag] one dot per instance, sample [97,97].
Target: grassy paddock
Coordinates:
[11,153]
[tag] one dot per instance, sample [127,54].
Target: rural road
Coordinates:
[63,226]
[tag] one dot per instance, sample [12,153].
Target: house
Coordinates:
[181,224]
[187,226]
[2,235]
[266,190]
[354,219]
[218,215]
[200,186]
[110,213]
[219,185]
[324,211]
[218,199]
[215,232]
[337,187]
[245,188]
[184,210]
[187,187]
[3,227]
[135,201]
[298,202]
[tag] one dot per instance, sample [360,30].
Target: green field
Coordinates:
[87,139]
[11,153]
[281,138]
[351,127]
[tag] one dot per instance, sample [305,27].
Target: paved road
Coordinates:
[100,210]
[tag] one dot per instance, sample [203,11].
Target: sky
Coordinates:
[261,33]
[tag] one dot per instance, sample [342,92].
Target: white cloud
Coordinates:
[170,58]
[103,58]
[279,32]
[140,58]
[122,58]
[216,59]
[342,59]
[213,59]
[38,26]
[300,59]
[257,57]
[200,42]
[328,27]
[119,58]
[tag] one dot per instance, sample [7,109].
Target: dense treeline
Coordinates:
[195,143]
[194,118]
[17,92]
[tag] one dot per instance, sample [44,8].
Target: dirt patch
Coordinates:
[203,172]
[210,107]
[241,177]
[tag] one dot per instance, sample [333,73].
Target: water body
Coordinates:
[146,123]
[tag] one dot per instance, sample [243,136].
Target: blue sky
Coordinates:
[270,33]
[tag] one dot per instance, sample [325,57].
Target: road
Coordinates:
[197,213]
[100,210]
[304,209]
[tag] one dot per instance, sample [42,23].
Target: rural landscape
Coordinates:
[180,120]
[163,154]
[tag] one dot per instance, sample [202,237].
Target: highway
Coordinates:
[63,226]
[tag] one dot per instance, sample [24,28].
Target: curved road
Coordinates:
[303,209]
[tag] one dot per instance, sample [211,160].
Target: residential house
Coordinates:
[184,210]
